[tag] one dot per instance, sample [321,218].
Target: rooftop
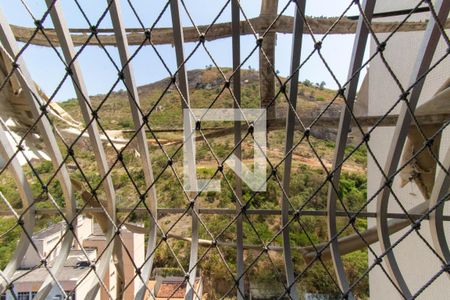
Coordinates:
[48,231]
[72,271]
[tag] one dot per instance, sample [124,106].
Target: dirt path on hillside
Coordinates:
[276,156]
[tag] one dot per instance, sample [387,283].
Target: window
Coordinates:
[3,296]
[23,295]
[33,295]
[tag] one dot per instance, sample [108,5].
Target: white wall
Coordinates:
[84,230]
[31,257]
[416,261]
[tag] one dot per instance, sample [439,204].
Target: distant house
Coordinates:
[30,276]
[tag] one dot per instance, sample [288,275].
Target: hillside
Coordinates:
[306,186]
[204,87]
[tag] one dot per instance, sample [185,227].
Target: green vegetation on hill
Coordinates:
[306,187]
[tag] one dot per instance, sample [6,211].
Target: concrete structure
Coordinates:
[76,267]
[134,243]
[173,287]
[416,261]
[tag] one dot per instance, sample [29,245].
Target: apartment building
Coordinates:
[31,274]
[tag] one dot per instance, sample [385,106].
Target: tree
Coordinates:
[307,82]
[322,85]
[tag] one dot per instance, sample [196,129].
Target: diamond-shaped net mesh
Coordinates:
[97,192]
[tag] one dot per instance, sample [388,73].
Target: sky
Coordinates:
[99,73]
